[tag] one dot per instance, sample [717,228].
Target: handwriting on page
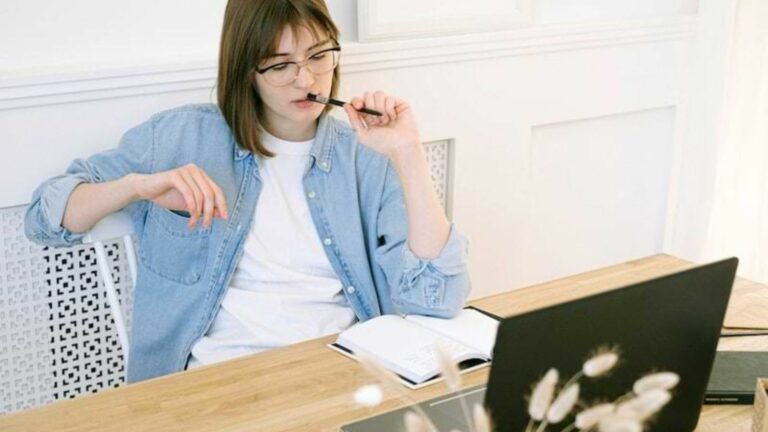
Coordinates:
[424,358]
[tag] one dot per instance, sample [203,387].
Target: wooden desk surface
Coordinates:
[307,387]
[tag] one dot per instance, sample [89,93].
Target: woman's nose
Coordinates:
[305,78]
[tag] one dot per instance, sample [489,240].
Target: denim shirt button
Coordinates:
[327,241]
[311,194]
[351,289]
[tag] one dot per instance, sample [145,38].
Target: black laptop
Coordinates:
[671,323]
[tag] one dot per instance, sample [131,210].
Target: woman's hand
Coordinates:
[390,133]
[185,188]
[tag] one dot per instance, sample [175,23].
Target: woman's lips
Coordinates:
[303,103]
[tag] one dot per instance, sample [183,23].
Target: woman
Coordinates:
[263,221]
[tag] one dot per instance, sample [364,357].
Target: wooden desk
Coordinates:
[307,387]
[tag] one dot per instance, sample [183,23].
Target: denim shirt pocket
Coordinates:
[170,249]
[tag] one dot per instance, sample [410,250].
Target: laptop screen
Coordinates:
[671,323]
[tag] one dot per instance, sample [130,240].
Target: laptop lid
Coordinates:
[671,323]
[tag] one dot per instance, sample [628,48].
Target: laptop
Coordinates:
[670,323]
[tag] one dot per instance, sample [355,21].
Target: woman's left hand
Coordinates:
[390,133]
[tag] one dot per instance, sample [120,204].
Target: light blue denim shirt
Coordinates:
[354,196]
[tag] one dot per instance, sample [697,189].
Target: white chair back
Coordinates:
[115,226]
[58,337]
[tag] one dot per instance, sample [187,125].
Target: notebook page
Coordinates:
[470,327]
[405,348]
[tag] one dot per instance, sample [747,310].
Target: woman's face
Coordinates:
[285,112]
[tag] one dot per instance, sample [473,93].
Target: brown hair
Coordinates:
[251,33]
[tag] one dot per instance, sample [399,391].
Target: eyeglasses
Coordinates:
[319,63]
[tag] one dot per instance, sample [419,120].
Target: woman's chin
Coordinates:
[308,114]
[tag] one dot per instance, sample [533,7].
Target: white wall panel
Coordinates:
[491,107]
[387,19]
[598,191]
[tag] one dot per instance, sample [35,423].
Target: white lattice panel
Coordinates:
[440,157]
[57,337]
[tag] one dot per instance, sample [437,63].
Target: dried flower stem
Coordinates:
[577,376]
[529,428]
[415,406]
[482,420]
[452,376]
[572,426]
[465,409]
[389,380]
[624,397]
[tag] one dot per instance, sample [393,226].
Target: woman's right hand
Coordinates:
[185,188]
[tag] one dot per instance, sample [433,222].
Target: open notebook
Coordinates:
[406,345]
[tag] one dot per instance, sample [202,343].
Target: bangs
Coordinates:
[287,14]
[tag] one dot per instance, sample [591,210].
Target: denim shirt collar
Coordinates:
[240,153]
[322,148]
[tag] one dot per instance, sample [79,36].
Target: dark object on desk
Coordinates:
[734,376]
[728,332]
[671,323]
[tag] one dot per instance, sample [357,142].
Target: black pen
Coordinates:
[326,100]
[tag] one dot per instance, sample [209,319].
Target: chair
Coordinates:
[58,324]
[114,226]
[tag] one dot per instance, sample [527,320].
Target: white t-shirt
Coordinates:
[283,290]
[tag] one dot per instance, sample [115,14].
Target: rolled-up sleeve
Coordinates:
[437,286]
[42,223]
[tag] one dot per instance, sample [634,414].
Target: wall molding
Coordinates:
[108,83]
[542,39]
[24,91]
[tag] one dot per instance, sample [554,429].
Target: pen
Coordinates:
[326,100]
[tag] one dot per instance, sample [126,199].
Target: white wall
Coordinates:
[344,13]
[693,174]
[43,36]
[563,125]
